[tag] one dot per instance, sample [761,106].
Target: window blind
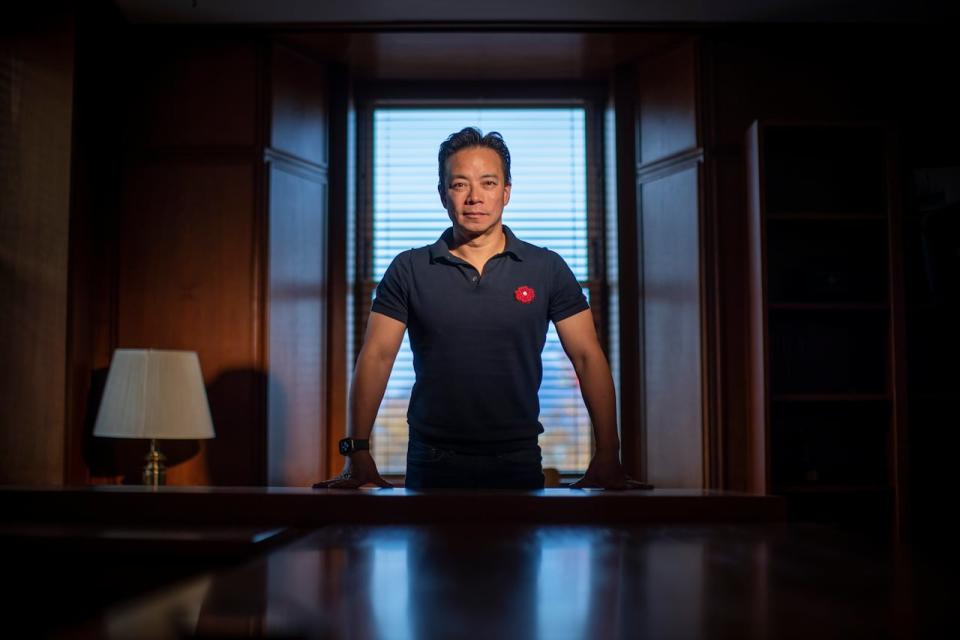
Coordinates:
[548,207]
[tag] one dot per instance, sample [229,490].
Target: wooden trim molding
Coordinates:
[298,166]
[669,165]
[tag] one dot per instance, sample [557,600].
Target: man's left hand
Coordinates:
[605,472]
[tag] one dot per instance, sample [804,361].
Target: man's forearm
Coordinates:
[366,392]
[596,385]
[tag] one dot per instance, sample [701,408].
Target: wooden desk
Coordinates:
[310,508]
[549,564]
[57,574]
[546,581]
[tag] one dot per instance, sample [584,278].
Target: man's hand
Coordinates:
[359,470]
[605,472]
[579,339]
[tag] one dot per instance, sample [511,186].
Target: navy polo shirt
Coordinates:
[477,340]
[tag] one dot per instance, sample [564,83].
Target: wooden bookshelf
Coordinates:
[824,294]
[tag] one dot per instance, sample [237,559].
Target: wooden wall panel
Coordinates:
[195,92]
[340,210]
[297,292]
[672,323]
[667,97]
[185,282]
[299,109]
[673,411]
[214,257]
[36,101]
[99,108]
[297,323]
[184,265]
[623,98]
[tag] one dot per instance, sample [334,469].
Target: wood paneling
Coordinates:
[183,237]
[181,263]
[341,209]
[673,407]
[631,391]
[494,56]
[297,295]
[296,305]
[194,91]
[200,228]
[36,119]
[99,108]
[299,110]
[667,99]
[672,321]
[185,282]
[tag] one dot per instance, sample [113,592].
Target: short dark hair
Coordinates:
[473,137]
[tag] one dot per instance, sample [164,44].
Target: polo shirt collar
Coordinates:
[441,248]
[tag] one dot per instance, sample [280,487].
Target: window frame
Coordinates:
[590,96]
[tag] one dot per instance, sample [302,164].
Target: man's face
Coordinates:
[474,194]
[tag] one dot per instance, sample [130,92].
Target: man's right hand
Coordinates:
[359,470]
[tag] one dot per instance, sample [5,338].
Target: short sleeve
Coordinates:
[566,296]
[391,297]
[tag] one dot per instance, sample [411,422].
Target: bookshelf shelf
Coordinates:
[823,307]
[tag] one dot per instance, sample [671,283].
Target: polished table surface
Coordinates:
[549,581]
[556,563]
[305,507]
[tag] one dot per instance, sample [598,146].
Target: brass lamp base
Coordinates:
[155,471]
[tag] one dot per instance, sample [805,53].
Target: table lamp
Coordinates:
[157,395]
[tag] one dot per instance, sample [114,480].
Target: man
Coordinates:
[476,304]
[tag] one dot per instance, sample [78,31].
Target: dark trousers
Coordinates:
[430,467]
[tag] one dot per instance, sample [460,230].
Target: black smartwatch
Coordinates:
[349,445]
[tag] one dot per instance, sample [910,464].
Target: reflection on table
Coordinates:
[542,581]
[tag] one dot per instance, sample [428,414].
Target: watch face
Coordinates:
[344,447]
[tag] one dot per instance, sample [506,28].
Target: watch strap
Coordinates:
[349,445]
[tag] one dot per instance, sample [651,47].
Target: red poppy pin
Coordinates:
[524,294]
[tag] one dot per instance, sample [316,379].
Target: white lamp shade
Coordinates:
[154,394]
